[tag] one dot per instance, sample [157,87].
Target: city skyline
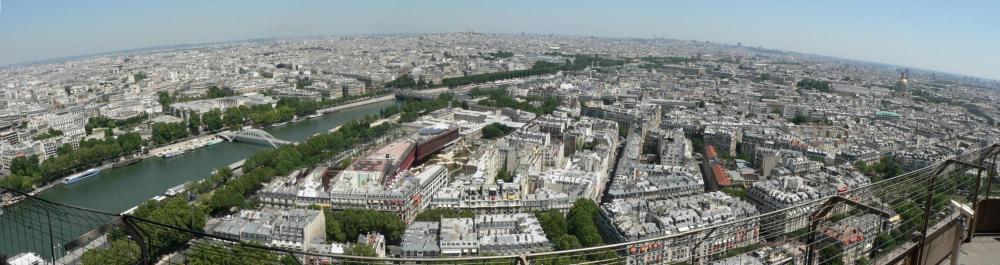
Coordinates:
[518,148]
[896,33]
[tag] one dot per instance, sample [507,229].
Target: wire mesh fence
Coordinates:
[875,224]
[54,232]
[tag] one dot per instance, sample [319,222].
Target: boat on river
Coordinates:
[82,175]
[213,141]
[168,155]
[177,189]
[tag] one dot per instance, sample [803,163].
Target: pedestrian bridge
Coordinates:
[254,136]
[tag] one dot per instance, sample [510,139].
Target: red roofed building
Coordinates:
[715,175]
[722,179]
[710,152]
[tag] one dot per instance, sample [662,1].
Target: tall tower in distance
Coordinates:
[902,86]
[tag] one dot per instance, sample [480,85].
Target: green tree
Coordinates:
[105,122]
[212,120]
[91,153]
[334,231]
[164,133]
[502,54]
[64,149]
[217,92]
[362,250]
[214,253]
[434,215]
[222,175]
[808,83]
[886,167]
[566,242]
[885,242]
[412,109]
[17,183]
[799,119]
[736,192]
[405,81]
[25,166]
[234,117]
[302,83]
[51,133]
[164,98]
[495,130]
[356,222]
[119,252]
[831,255]
[139,77]
[582,222]
[553,223]
[224,199]
[505,176]
[174,212]
[194,123]
[537,105]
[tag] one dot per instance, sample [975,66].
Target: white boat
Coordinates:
[315,115]
[82,175]
[171,154]
[214,141]
[177,189]
[278,124]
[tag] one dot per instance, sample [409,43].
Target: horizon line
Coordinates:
[181,46]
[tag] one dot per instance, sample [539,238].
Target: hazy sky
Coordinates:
[952,36]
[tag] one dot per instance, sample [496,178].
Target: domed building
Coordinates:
[902,86]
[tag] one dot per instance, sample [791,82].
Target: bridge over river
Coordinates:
[255,136]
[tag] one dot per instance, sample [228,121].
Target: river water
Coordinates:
[116,190]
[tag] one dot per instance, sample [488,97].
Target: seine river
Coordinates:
[23,227]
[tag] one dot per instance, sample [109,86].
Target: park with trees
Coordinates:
[573,63]
[575,230]
[809,83]
[27,172]
[496,130]
[499,98]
